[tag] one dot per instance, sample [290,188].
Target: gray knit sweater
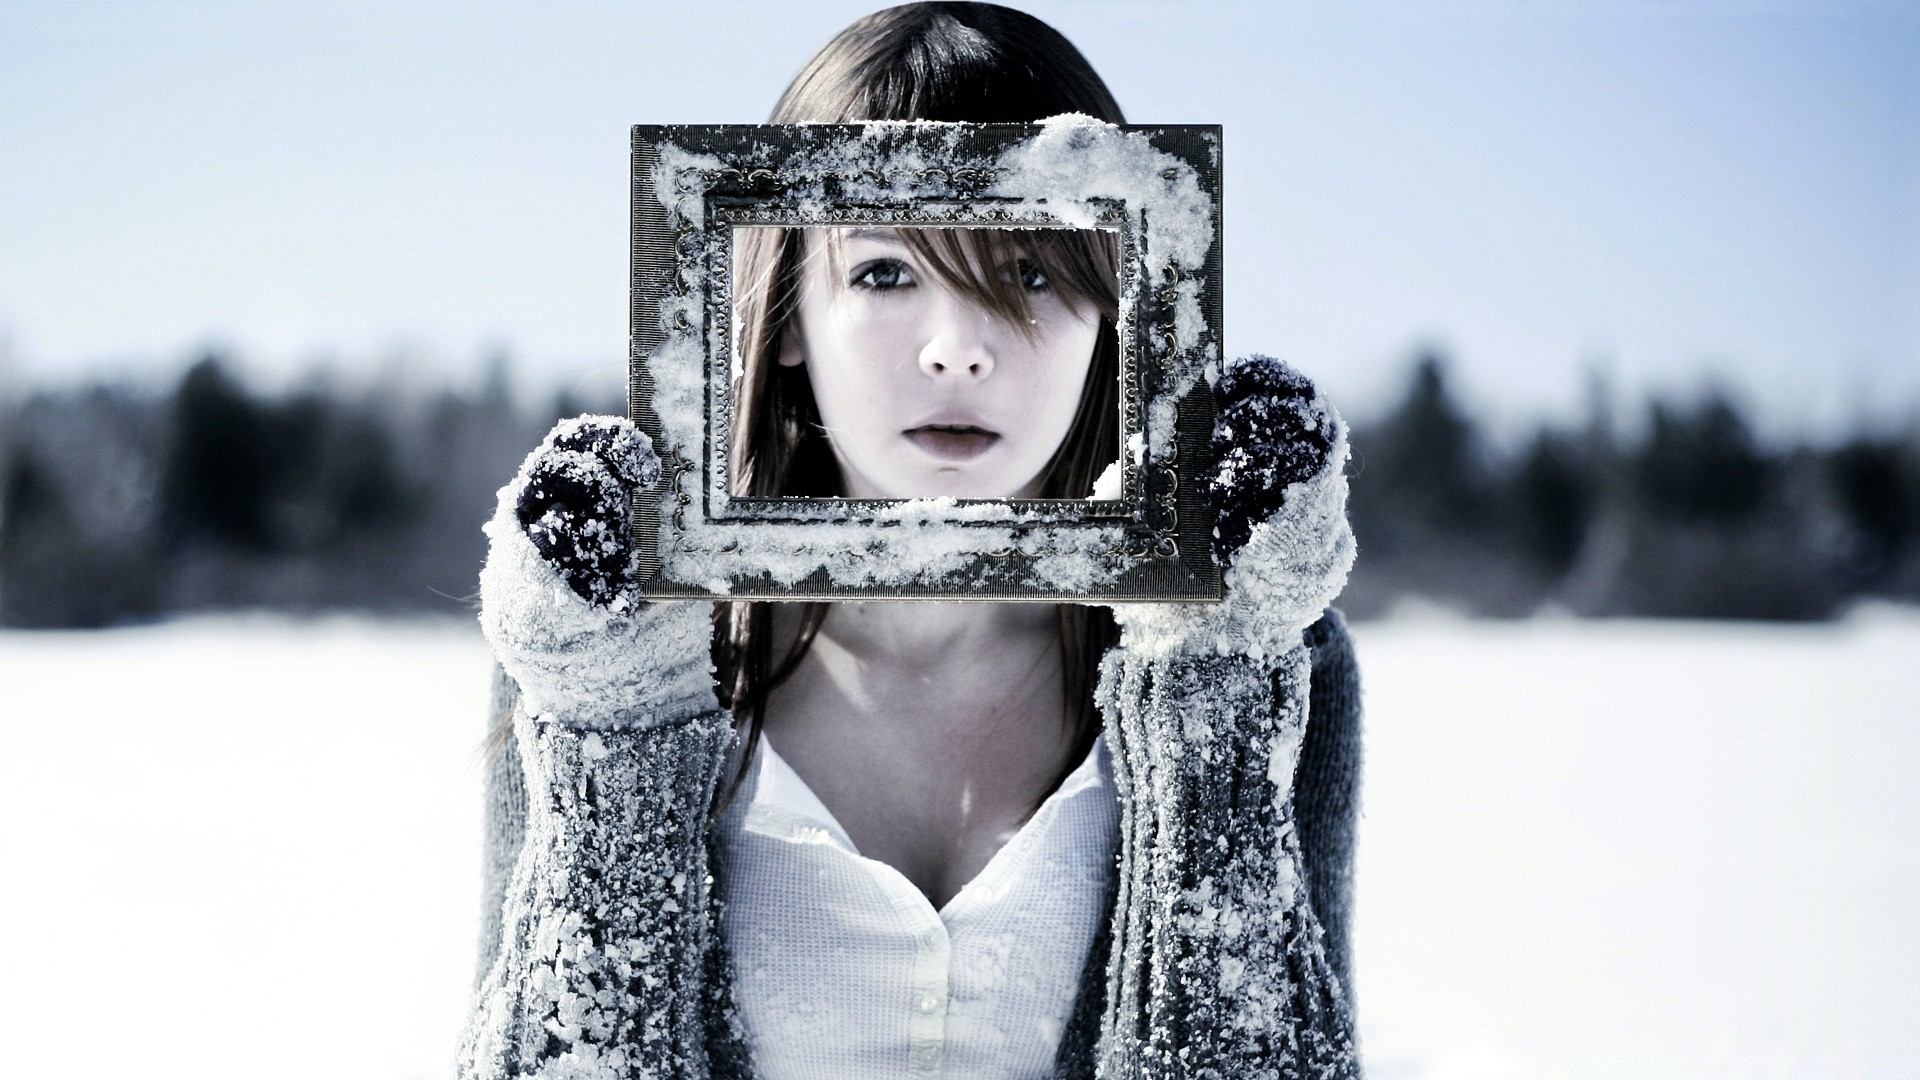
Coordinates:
[1234,738]
[1225,952]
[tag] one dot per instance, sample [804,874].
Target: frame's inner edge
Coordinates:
[653,260]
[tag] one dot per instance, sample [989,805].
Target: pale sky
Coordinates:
[1681,192]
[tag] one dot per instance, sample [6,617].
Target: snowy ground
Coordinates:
[248,848]
[1641,849]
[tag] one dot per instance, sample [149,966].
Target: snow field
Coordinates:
[1646,849]
[250,847]
[239,848]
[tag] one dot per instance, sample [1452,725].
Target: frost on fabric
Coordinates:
[1218,960]
[577,503]
[1172,219]
[1272,430]
[600,970]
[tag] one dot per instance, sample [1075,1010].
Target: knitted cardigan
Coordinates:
[1223,955]
[1225,948]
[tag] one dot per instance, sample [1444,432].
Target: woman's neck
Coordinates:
[951,666]
[929,729]
[940,636]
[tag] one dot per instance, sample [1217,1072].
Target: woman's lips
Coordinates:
[952,442]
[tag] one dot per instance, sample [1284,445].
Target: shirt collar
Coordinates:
[784,807]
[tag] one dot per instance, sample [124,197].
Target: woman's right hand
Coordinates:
[558,601]
[603,921]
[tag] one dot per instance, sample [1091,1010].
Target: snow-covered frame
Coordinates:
[1159,187]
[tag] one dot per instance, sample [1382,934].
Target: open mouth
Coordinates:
[952,442]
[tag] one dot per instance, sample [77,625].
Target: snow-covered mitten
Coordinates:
[1279,496]
[1220,967]
[557,599]
[599,971]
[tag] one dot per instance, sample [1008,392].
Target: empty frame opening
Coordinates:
[914,361]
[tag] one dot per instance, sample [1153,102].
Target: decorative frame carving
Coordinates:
[1158,187]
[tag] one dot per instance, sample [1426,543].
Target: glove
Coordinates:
[1278,493]
[557,597]
[576,504]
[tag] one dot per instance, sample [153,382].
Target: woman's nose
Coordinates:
[959,342]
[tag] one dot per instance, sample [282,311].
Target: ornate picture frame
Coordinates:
[1156,187]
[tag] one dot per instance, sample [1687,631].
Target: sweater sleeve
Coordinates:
[598,964]
[1326,786]
[1220,966]
[504,820]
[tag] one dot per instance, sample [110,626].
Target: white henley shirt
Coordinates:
[843,969]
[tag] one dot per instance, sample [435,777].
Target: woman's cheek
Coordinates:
[1070,361]
[879,339]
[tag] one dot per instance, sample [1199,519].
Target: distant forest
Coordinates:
[119,507]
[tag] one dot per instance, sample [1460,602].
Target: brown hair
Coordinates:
[972,62]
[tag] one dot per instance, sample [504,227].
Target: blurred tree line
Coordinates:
[117,506]
[1691,516]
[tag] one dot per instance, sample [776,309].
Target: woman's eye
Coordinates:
[881,275]
[1029,274]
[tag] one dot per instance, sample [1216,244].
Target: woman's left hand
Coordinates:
[1278,492]
[1206,710]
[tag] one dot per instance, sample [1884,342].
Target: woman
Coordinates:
[919,861]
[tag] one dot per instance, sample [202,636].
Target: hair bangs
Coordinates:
[982,265]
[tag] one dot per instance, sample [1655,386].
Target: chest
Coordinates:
[930,778]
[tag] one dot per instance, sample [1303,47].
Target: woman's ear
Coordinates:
[790,354]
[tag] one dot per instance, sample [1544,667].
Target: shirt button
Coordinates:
[929,1003]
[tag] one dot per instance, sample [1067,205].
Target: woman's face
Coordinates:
[922,391]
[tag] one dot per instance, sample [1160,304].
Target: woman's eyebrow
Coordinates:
[891,236]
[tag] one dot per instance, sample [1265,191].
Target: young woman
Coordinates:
[929,860]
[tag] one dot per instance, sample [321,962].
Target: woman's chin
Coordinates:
[945,485]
